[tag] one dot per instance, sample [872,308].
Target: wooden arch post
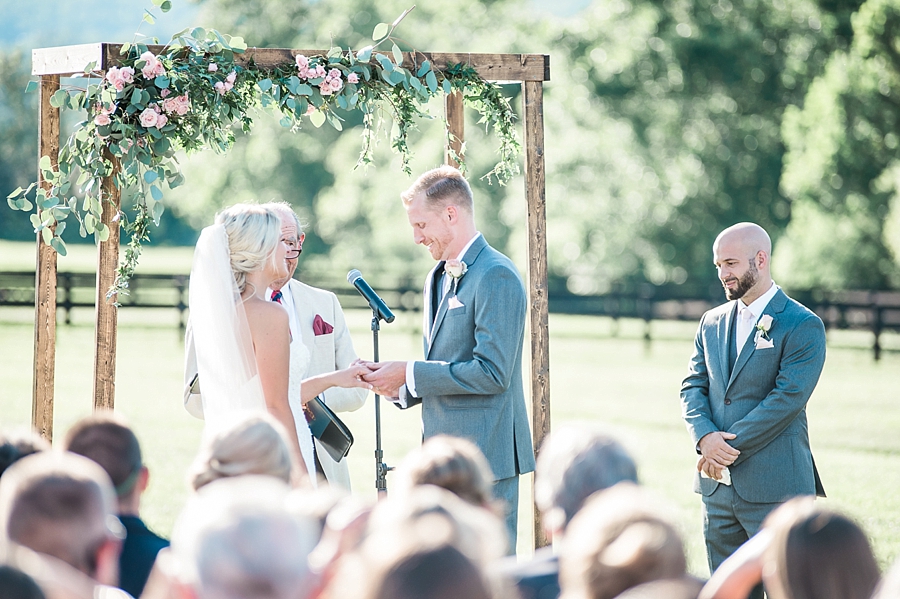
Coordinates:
[531,70]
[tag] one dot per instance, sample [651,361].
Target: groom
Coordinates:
[470,383]
[756,362]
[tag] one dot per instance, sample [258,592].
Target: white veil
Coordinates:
[226,362]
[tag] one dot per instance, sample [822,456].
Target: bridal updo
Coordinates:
[253,235]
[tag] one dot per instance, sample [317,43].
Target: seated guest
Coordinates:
[450,463]
[574,463]
[252,445]
[803,551]
[16,445]
[236,539]
[406,539]
[63,505]
[106,439]
[618,540]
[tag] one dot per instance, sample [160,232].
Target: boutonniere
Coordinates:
[764,325]
[455,269]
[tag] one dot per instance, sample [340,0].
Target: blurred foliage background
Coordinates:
[665,121]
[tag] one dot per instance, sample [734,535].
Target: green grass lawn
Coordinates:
[622,384]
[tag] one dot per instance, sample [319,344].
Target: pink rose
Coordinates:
[320,71]
[164,93]
[302,62]
[115,78]
[336,85]
[213,67]
[325,89]
[310,109]
[102,120]
[220,88]
[352,78]
[127,74]
[231,77]
[149,118]
[152,66]
[170,105]
[161,121]
[184,105]
[334,73]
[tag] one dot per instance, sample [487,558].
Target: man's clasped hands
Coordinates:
[716,454]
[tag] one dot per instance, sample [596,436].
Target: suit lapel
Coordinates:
[724,332]
[776,305]
[427,316]
[470,258]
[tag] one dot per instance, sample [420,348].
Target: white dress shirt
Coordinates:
[747,316]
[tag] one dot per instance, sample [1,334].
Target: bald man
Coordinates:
[756,362]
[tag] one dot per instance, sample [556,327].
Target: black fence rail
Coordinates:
[873,311]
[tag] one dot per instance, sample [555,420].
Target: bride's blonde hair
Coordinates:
[253,235]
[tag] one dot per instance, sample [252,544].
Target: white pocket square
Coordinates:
[762,343]
[454,303]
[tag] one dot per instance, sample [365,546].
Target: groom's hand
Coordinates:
[711,469]
[715,448]
[386,377]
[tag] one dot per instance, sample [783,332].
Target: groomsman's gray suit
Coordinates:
[470,384]
[762,400]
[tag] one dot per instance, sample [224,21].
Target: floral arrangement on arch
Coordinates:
[190,93]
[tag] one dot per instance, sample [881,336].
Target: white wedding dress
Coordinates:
[226,362]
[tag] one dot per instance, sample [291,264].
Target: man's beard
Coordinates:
[744,284]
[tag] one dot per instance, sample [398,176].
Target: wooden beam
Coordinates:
[45,277]
[454,114]
[68,60]
[535,196]
[106,320]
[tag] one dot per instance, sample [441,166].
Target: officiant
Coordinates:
[315,317]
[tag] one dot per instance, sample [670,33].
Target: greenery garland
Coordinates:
[191,95]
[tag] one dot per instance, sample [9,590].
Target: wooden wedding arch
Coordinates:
[531,70]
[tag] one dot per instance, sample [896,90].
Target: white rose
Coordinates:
[455,268]
[765,323]
[149,118]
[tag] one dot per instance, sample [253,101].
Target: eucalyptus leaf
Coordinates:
[386,63]
[31,86]
[150,176]
[304,90]
[156,193]
[431,81]
[47,235]
[426,66]
[317,118]
[285,122]
[265,85]
[380,31]
[158,209]
[166,6]
[364,54]
[102,232]
[58,244]
[398,55]
[161,82]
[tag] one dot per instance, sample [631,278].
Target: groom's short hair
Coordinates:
[443,186]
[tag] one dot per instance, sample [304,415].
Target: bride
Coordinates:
[246,360]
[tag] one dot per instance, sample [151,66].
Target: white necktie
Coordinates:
[744,327]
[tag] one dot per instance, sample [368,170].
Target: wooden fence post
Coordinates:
[535,196]
[45,277]
[454,113]
[106,320]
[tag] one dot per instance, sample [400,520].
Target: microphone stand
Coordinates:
[381,469]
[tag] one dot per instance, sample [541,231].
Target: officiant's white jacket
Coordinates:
[328,352]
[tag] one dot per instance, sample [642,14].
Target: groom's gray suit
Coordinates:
[762,400]
[470,384]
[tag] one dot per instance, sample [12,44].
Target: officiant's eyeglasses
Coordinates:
[293,253]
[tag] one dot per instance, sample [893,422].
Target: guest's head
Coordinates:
[107,439]
[686,587]
[63,505]
[236,539]
[442,572]
[292,234]
[618,540]
[252,445]
[440,210]
[742,255]
[450,463]
[15,445]
[254,242]
[574,463]
[817,553]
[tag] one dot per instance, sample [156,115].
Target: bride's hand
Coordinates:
[352,376]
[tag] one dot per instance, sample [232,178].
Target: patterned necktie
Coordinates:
[276,296]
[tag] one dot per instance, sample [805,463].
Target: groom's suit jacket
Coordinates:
[762,399]
[470,384]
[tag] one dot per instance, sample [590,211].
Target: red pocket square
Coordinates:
[320,327]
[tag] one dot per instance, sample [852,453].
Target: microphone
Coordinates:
[354,277]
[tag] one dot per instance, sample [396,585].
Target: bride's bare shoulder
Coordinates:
[264,315]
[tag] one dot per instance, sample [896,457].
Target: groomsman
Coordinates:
[470,383]
[317,321]
[756,362]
